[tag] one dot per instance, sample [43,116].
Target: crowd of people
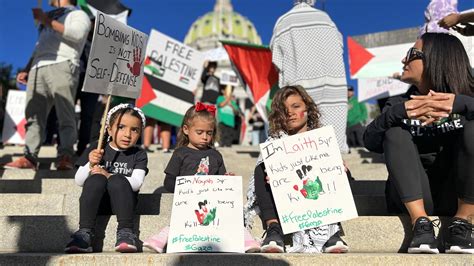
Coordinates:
[425,134]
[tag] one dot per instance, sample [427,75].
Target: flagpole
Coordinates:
[104,118]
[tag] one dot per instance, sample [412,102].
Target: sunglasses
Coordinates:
[413,54]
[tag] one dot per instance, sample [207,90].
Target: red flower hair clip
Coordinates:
[205,107]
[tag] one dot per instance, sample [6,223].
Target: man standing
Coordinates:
[307,50]
[52,76]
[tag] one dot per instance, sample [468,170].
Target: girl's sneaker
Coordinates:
[273,242]
[251,245]
[459,237]
[424,240]
[335,244]
[158,242]
[81,242]
[126,241]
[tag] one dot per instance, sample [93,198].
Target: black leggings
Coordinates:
[264,195]
[450,176]
[107,196]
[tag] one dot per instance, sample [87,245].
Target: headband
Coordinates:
[125,106]
[205,107]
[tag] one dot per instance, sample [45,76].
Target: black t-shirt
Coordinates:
[186,161]
[118,161]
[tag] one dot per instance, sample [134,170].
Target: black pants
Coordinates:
[226,135]
[107,196]
[439,182]
[264,195]
[88,104]
[355,135]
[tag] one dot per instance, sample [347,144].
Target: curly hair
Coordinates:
[279,115]
[191,113]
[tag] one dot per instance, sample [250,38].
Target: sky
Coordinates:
[174,18]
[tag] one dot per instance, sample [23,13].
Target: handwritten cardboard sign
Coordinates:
[173,61]
[377,88]
[308,181]
[14,120]
[115,65]
[207,215]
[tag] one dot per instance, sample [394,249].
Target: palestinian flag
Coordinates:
[113,8]
[254,65]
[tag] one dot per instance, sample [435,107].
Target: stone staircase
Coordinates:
[39,211]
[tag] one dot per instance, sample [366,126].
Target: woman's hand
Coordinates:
[99,170]
[95,156]
[450,20]
[431,107]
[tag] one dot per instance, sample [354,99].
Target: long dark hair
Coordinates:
[279,115]
[446,65]
[191,113]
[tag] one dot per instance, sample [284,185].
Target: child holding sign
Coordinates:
[194,156]
[293,111]
[111,178]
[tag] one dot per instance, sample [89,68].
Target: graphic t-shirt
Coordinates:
[186,161]
[118,161]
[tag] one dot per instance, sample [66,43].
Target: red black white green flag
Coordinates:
[255,67]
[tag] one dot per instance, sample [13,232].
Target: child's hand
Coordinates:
[267,178]
[99,170]
[229,173]
[95,156]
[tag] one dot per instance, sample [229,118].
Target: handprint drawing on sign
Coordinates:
[137,65]
[205,216]
[311,188]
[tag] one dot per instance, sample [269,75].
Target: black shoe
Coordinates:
[147,149]
[424,240]
[335,244]
[126,241]
[459,237]
[273,242]
[81,242]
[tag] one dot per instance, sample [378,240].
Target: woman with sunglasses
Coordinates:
[427,136]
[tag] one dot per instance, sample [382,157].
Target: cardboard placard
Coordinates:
[207,215]
[14,121]
[115,65]
[229,77]
[173,61]
[379,88]
[308,181]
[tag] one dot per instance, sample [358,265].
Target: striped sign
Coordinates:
[172,73]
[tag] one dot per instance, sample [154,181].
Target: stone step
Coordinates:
[51,233]
[110,258]
[148,204]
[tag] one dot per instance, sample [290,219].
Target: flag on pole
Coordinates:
[113,8]
[255,67]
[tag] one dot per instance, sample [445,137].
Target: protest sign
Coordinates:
[172,73]
[308,181]
[116,59]
[229,78]
[377,88]
[207,215]
[14,120]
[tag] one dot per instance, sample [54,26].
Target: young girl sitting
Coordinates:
[194,156]
[111,178]
[293,111]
